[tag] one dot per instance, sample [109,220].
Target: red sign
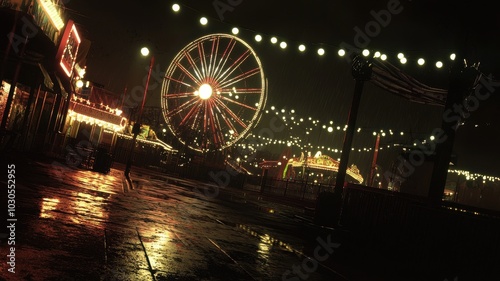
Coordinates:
[68,48]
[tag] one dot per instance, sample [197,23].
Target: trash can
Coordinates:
[102,161]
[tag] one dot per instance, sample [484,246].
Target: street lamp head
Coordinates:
[79,83]
[144,51]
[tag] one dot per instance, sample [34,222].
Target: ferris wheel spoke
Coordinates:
[179,95]
[239,103]
[242,90]
[210,120]
[178,81]
[236,64]
[190,114]
[231,113]
[213,56]
[196,70]
[182,107]
[196,117]
[240,77]
[189,74]
[226,119]
[206,116]
[216,131]
[203,59]
[224,58]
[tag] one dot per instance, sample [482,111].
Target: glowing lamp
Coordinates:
[205,91]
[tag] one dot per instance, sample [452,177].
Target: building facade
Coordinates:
[39,62]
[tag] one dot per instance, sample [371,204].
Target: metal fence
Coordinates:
[304,190]
[456,235]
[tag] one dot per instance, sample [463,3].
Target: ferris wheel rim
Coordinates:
[175,65]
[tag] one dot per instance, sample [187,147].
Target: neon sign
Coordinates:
[68,48]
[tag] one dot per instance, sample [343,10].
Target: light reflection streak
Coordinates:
[265,246]
[266,242]
[158,246]
[85,209]
[48,205]
[90,208]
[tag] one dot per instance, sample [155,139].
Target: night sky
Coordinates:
[314,86]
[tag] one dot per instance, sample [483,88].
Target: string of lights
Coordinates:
[295,124]
[297,127]
[320,49]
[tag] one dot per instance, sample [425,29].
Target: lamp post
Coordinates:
[136,129]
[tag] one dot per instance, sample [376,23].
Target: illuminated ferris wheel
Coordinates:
[213,92]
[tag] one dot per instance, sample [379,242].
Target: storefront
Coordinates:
[33,113]
[34,82]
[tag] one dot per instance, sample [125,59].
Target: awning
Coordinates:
[37,60]
[30,74]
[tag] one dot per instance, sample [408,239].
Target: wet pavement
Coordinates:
[74,224]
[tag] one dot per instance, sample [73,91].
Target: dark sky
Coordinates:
[315,86]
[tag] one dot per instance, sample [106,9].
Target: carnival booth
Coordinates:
[320,168]
[95,123]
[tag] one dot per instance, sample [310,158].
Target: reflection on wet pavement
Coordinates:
[48,205]
[159,231]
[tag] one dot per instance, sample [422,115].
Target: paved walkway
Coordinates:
[74,224]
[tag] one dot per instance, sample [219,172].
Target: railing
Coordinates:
[304,190]
[407,226]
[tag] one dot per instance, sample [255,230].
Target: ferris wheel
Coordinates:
[213,92]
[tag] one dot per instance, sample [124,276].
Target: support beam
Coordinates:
[329,206]
[462,79]
[374,162]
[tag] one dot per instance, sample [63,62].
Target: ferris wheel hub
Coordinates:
[205,91]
